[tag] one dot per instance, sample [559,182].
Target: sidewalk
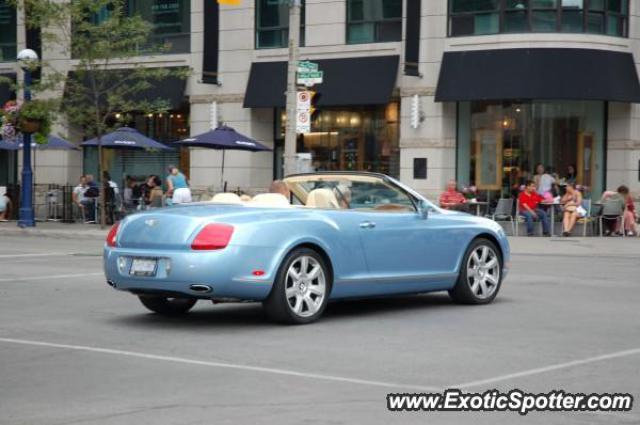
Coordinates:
[572,246]
[55,230]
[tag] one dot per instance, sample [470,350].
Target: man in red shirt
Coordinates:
[451,199]
[528,202]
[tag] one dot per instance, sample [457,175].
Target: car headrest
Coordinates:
[270,200]
[226,198]
[322,198]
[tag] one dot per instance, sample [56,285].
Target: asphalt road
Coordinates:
[74,351]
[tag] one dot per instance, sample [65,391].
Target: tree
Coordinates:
[98,35]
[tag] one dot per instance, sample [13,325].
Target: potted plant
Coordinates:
[35,117]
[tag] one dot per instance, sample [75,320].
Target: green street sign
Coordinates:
[310,75]
[304,66]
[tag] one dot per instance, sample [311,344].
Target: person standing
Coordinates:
[544,181]
[178,186]
[528,203]
[78,195]
[629,214]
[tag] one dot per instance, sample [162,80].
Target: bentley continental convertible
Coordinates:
[338,235]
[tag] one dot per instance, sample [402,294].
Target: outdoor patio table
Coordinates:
[477,204]
[553,215]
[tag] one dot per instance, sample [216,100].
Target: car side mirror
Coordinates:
[423,210]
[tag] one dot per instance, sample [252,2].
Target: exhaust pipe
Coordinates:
[111,283]
[201,288]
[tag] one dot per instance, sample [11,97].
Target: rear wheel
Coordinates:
[167,306]
[301,289]
[480,274]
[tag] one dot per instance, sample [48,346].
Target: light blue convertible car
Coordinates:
[338,235]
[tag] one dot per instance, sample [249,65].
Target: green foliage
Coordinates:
[105,43]
[41,111]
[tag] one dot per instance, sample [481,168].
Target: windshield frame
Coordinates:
[412,195]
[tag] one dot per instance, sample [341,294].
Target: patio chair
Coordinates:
[612,209]
[504,212]
[592,217]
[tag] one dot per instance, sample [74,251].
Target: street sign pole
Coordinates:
[290,139]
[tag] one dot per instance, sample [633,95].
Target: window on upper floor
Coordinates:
[8,32]
[478,17]
[374,21]
[170,20]
[272,24]
[170,23]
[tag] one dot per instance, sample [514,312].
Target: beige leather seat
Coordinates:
[226,198]
[322,198]
[270,200]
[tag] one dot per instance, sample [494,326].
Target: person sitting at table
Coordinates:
[570,202]
[155,192]
[614,204]
[5,205]
[528,203]
[451,199]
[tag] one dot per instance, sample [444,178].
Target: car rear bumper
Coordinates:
[227,273]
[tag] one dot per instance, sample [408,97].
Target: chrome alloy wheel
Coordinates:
[483,271]
[305,286]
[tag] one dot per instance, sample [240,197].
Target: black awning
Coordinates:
[348,81]
[170,89]
[6,91]
[560,74]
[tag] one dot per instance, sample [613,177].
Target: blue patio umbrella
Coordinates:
[223,138]
[53,142]
[126,138]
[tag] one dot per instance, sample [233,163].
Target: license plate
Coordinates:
[143,266]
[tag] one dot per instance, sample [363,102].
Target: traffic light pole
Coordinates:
[290,138]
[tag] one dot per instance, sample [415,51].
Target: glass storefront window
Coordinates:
[352,139]
[477,17]
[374,21]
[500,144]
[138,163]
[272,24]
[8,32]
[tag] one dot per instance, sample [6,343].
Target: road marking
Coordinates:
[221,365]
[55,276]
[550,368]
[57,254]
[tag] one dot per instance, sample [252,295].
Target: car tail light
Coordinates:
[212,236]
[113,233]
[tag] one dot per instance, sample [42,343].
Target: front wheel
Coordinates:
[167,306]
[301,289]
[480,274]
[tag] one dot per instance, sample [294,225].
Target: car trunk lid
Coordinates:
[171,228]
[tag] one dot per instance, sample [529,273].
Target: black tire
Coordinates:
[463,292]
[167,306]
[278,306]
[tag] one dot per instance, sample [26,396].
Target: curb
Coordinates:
[60,234]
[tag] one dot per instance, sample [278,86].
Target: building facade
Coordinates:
[477,90]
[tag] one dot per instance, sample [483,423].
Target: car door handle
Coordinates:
[367,225]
